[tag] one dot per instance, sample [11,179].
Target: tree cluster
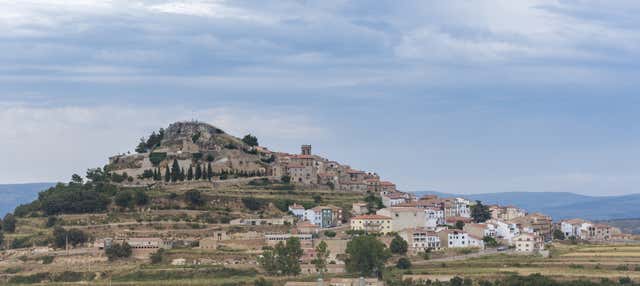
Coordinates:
[73,236]
[250,140]
[283,259]
[153,141]
[118,250]
[480,213]
[366,255]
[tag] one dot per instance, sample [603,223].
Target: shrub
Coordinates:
[252,203]
[47,259]
[398,245]
[403,263]
[117,251]
[157,157]
[330,233]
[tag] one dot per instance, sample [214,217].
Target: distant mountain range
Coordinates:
[561,205]
[12,195]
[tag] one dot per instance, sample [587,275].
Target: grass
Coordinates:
[575,261]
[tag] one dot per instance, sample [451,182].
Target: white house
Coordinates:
[433,217]
[505,231]
[453,238]
[528,243]
[575,227]
[297,210]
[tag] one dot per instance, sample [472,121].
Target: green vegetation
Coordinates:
[119,250]
[480,212]
[153,141]
[283,259]
[322,254]
[558,234]
[403,263]
[398,245]
[250,140]
[329,233]
[253,204]
[366,255]
[9,223]
[73,236]
[490,241]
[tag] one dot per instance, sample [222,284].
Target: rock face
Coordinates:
[197,137]
[193,143]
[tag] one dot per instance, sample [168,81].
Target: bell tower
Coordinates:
[306,149]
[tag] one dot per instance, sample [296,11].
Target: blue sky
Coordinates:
[454,96]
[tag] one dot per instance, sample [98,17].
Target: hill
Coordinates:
[16,194]
[561,205]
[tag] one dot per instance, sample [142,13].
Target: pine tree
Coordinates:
[175,171]
[209,171]
[182,175]
[198,172]
[167,175]
[190,173]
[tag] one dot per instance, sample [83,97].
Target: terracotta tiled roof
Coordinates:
[370,216]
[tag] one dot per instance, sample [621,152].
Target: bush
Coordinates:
[51,221]
[73,236]
[9,223]
[398,245]
[47,259]
[157,257]
[403,263]
[330,233]
[157,157]
[194,198]
[73,199]
[253,204]
[117,251]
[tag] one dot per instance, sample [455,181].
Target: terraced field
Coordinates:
[565,262]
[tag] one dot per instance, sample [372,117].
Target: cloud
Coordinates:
[44,143]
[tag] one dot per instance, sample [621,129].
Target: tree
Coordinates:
[459,224]
[167,175]
[284,259]
[157,257]
[190,173]
[322,254]
[456,281]
[1,239]
[250,140]
[175,171]
[118,250]
[209,171]
[141,198]
[329,233]
[490,241]
[366,255]
[262,282]
[124,199]
[194,197]
[252,203]
[76,179]
[403,263]
[480,213]
[268,261]
[558,234]
[73,236]
[9,223]
[373,203]
[198,172]
[285,179]
[142,146]
[182,175]
[51,221]
[399,245]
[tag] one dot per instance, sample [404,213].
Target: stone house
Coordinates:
[420,239]
[372,223]
[528,243]
[404,217]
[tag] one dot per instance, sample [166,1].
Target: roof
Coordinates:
[395,195]
[296,206]
[574,221]
[458,218]
[352,171]
[295,166]
[387,183]
[370,216]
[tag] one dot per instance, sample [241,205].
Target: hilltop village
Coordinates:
[194,195]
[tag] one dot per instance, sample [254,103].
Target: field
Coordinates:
[565,262]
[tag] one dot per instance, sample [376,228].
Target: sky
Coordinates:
[454,96]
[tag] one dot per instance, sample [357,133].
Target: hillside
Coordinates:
[16,194]
[561,205]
